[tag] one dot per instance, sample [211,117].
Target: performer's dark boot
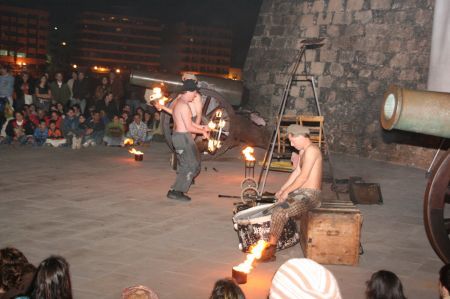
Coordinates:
[178,195]
[268,255]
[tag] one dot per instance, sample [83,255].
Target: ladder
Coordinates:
[305,44]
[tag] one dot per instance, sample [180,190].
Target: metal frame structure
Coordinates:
[306,44]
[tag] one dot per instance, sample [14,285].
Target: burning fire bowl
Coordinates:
[240,277]
[138,157]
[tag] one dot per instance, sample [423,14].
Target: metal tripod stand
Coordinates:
[306,44]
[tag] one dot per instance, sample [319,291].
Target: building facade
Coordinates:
[23,37]
[197,49]
[106,42]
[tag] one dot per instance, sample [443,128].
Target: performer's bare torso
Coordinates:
[181,114]
[314,180]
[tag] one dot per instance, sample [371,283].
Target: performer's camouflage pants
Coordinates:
[188,159]
[297,204]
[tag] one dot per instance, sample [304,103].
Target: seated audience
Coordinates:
[384,284]
[19,130]
[140,111]
[28,115]
[41,115]
[61,110]
[95,131]
[226,289]
[54,116]
[137,130]
[40,134]
[77,110]
[55,137]
[108,106]
[444,282]
[155,128]
[304,278]
[114,132]
[52,280]
[70,127]
[16,273]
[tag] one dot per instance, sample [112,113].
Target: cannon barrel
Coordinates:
[426,112]
[231,90]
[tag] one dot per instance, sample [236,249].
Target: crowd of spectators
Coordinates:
[296,278]
[74,113]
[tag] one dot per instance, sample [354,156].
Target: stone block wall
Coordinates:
[369,45]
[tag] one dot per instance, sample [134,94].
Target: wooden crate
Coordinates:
[331,234]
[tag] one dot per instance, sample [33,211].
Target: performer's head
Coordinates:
[189,90]
[298,136]
[189,76]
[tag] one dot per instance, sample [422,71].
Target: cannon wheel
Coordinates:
[212,101]
[437,195]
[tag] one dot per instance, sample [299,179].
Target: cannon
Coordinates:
[217,94]
[428,113]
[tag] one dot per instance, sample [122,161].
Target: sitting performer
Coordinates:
[301,191]
[188,157]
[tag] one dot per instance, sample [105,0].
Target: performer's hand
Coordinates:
[205,134]
[281,195]
[277,195]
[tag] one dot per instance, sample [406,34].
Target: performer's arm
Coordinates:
[198,109]
[160,107]
[188,124]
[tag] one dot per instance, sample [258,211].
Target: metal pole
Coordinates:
[327,152]
[269,154]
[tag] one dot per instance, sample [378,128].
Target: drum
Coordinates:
[253,225]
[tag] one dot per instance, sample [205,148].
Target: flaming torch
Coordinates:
[216,126]
[155,94]
[250,161]
[138,155]
[128,141]
[240,272]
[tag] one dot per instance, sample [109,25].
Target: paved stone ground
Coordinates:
[108,215]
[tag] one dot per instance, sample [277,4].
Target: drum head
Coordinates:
[254,215]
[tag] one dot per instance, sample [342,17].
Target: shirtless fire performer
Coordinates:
[187,153]
[301,192]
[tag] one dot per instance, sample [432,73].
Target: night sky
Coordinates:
[238,15]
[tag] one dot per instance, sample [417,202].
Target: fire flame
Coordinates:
[158,95]
[128,141]
[255,254]
[135,152]
[248,153]
[219,113]
[211,125]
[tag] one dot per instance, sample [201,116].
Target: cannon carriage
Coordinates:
[218,94]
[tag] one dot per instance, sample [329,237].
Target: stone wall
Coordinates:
[369,45]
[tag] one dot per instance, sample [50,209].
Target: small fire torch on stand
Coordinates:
[138,155]
[250,161]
